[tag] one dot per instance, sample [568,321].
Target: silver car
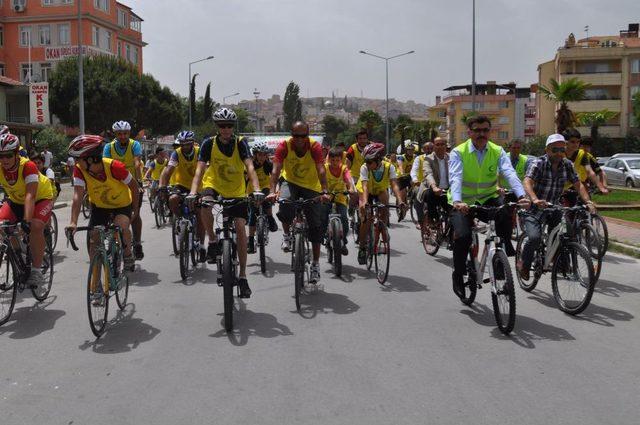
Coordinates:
[623,171]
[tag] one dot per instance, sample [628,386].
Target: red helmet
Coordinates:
[9,142]
[373,151]
[86,145]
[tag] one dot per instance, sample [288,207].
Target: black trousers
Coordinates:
[432,200]
[462,232]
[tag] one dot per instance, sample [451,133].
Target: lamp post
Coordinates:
[256,93]
[224,98]
[192,100]
[473,60]
[386,60]
[80,72]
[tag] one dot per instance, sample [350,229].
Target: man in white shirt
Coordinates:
[48,156]
[436,177]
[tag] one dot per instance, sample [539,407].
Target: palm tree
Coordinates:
[595,120]
[571,90]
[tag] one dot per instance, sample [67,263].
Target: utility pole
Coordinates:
[80,72]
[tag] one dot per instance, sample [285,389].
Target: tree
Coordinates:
[595,120]
[372,121]
[535,146]
[333,126]
[298,114]
[466,117]
[635,100]
[57,142]
[278,125]
[571,90]
[207,105]
[403,128]
[291,105]
[244,126]
[192,98]
[114,90]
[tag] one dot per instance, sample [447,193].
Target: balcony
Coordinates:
[605,130]
[596,78]
[596,105]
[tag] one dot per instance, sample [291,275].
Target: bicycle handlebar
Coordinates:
[71,235]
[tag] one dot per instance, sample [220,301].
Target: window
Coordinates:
[22,3]
[635,66]
[1,36]
[107,41]
[101,5]
[64,34]
[25,36]
[45,71]
[595,68]
[45,35]
[503,104]
[466,106]
[136,25]
[503,120]
[597,94]
[635,90]
[1,70]
[127,49]
[66,1]
[47,2]
[442,114]
[503,134]
[135,55]
[95,36]
[26,72]
[122,18]
[119,49]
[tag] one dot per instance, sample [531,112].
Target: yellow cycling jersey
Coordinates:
[18,190]
[184,172]
[110,193]
[358,160]
[225,174]
[127,159]
[337,184]
[264,180]
[157,169]
[301,171]
[374,186]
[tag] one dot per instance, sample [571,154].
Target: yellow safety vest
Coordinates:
[479,181]
[110,193]
[264,180]
[225,174]
[581,171]
[301,171]
[406,166]
[184,172]
[337,184]
[374,186]
[357,162]
[521,169]
[420,164]
[157,169]
[18,191]
[127,159]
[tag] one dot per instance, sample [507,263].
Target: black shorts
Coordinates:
[404,181]
[181,189]
[105,216]
[240,210]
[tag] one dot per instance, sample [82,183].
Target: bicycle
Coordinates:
[262,236]
[86,206]
[592,239]
[434,234]
[152,194]
[53,230]
[377,246]
[560,253]
[107,274]
[15,267]
[162,212]
[187,239]
[335,236]
[300,254]
[494,261]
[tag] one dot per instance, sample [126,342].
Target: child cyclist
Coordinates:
[263,167]
[339,180]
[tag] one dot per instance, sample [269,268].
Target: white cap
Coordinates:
[555,138]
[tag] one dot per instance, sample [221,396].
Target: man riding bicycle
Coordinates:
[263,167]
[339,180]
[300,161]
[155,169]
[29,201]
[354,154]
[129,152]
[474,167]
[435,184]
[376,177]
[222,163]
[112,190]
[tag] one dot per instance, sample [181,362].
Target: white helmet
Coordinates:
[224,115]
[121,126]
[3,129]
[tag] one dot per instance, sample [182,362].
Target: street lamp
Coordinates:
[386,60]
[224,98]
[256,93]
[473,60]
[192,100]
[80,72]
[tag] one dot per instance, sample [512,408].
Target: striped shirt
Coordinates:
[547,184]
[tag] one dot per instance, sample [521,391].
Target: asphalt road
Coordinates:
[405,353]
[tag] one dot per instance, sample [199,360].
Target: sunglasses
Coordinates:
[556,150]
[225,126]
[7,155]
[481,130]
[300,136]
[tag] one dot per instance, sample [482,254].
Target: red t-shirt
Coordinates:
[118,171]
[282,151]
[30,169]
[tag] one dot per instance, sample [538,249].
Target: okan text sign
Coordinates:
[39,103]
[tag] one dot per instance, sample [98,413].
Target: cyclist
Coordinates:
[436,178]
[544,183]
[263,167]
[376,176]
[474,167]
[417,176]
[405,163]
[154,171]
[354,153]
[39,160]
[519,162]
[339,180]
[129,152]
[580,161]
[586,144]
[222,162]
[29,202]
[300,161]
[112,191]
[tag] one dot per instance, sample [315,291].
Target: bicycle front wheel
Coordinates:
[86,207]
[336,242]
[298,267]
[370,247]
[600,226]
[54,230]
[8,286]
[430,238]
[119,273]
[152,201]
[175,236]
[97,297]
[185,245]
[503,295]
[530,284]
[261,233]
[572,278]
[227,284]
[158,215]
[382,255]
[41,293]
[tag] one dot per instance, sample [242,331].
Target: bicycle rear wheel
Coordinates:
[158,215]
[530,284]
[8,286]
[382,256]
[119,273]
[600,226]
[299,266]
[470,287]
[336,242]
[97,298]
[370,246]
[572,278]
[431,237]
[227,284]
[46,268]
[261,233]
[503,295]
[185,244]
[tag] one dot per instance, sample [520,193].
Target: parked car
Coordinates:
[623,171]
[602,160]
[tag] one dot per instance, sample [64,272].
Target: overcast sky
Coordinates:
[264,44]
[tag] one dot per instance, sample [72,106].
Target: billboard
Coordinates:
[274,141]
[39,103]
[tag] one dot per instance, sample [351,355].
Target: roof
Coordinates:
[6,81]
[509,86]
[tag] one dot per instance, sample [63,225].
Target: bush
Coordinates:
[535,146]
[57,142]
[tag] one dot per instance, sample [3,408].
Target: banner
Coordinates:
[61,52]
[273,141]
[39,103]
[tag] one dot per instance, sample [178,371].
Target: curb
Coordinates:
[621,222]
[605,207]
[623,248]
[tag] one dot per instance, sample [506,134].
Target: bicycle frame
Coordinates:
[491,243]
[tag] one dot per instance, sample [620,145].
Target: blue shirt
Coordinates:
[504,167]
[137,149]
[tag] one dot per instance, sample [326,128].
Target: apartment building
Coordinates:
[510,108]
[611,64]
[35,34]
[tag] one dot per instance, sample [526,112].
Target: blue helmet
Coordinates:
[185,137]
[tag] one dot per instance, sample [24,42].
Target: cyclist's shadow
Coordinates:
[319,301]
[123,333]
[248,323]
[32,320]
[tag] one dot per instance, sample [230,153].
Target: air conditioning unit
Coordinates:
[18,8]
